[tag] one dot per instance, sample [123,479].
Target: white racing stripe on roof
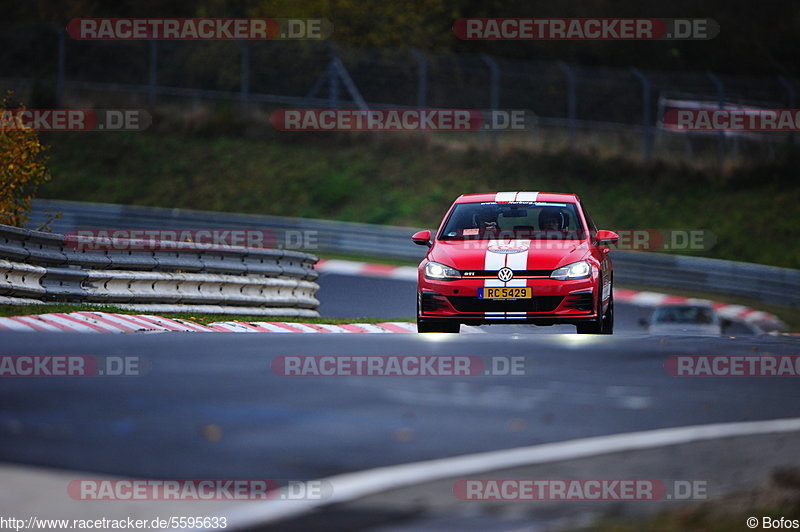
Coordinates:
[505,196]
[527,196]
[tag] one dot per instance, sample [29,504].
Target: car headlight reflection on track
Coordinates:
[440,272]
[576,270]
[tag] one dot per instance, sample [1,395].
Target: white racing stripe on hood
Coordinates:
[515,261]
[518,261]
[493,262]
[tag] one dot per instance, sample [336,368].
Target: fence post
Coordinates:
[62,59]
[153,72]
[647,122]
[422,78]
[792,100]
[340,74]
[333,87]
[721,106]
[244,89]
[572,113]
[494,91]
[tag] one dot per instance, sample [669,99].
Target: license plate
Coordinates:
[505,292]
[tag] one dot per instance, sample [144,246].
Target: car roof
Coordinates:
[518,196]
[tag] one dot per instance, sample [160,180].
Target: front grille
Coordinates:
[535,304]
[580,301]
[517,273]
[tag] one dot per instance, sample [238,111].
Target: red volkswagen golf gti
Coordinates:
[516,257]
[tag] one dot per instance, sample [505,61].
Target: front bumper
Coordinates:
[553,302]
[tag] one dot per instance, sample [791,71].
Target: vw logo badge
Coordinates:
[505,274]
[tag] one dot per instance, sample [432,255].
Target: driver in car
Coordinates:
[552,222]
[551,219]
[486,222]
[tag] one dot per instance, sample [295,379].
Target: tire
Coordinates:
[603,324]
[608,318]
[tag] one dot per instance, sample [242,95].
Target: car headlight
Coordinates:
[435,270]
[576,270]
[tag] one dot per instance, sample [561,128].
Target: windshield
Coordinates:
[513,220]
[701,315]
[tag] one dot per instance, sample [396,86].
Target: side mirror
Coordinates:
[605,238]
[642,322]
[724,323]
[422,238]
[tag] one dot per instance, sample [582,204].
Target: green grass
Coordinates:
[203,319]
[404,180]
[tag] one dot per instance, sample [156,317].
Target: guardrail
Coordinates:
[758,282]
[37,266]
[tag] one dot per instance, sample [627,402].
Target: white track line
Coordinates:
[352,486]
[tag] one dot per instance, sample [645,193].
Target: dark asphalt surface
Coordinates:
[210,406]
[159,424]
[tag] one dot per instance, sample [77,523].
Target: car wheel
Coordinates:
[596,326]
[608,317]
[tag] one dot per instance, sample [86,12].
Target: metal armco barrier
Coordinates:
[37,266]
[762,283]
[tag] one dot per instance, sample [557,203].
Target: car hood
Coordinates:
[534,254]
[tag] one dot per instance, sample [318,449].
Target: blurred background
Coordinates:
[594,113]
